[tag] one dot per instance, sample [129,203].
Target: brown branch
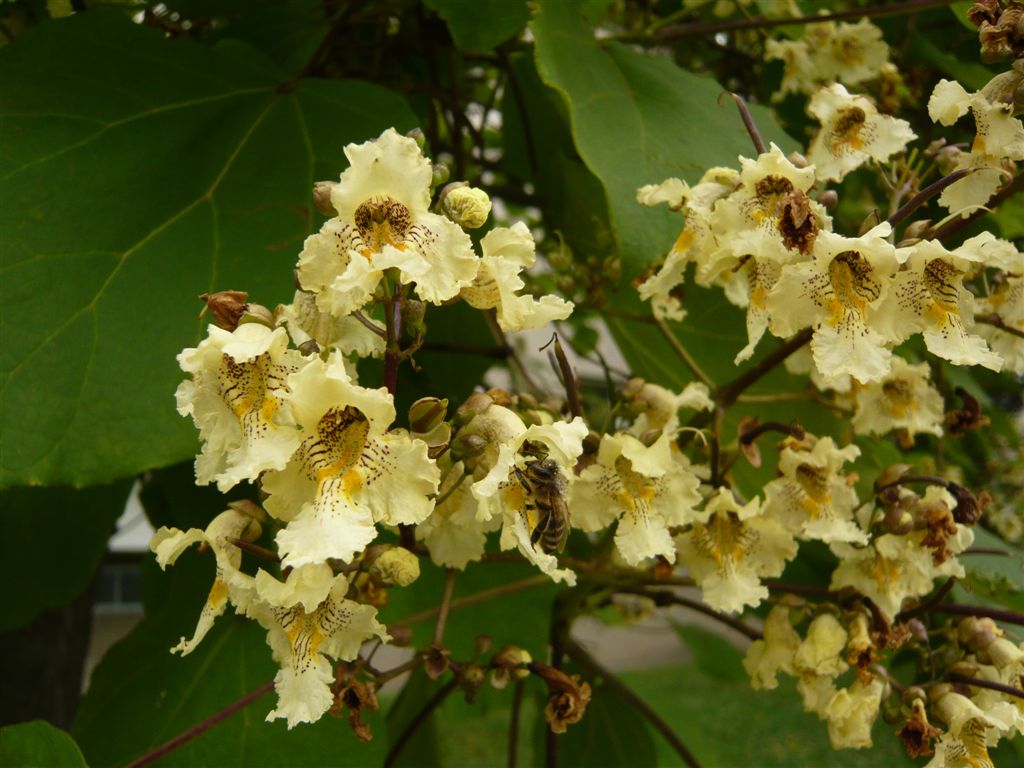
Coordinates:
[588,662]
[953,677]
[445,607]
[682,352]
[1010,617]
[928,604]
[997,322]
[925,195]
[749,124]
[663,598]
[390,674]
[200,728]
[479,597]
[358,315]
[418,720]
[759,22]
[954,226]
[726,394]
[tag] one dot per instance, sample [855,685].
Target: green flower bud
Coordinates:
[467,206]
[426,413]
[396,566]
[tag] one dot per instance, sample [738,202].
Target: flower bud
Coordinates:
[439,175]
[250,508]
[427,413]
[401,635]
[413,313]
[471,677]
[476,403]
[467,206]
[509,663]
[482,644]
[322,197]
[257,313]
[829,198]
[797,159]
[417,135]
[435,661]
[397,566]
[227,307]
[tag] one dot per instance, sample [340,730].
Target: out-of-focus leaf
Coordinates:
[667,122]
[37,744]
[141,696]
[421,748]
[54,538]
[716,656]
[140,175]
[997,571]
[480,25]
[611,734]
[970,73]
[519,618]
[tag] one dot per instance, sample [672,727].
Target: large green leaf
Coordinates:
[55,538]
[637,119]
[141,696]
[138,172]
[480,25]
[34,744]
[995,569]
[611,734]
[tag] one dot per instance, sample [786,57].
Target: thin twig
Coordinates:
[665,598]
[569,381]
[748,122]
[759,22]
[390,674]
[358,315]
[997,322]
[200,728]
[255,549]
[588,662]
[682,352]
[421,717]
[955,225]
[513,723]
[1010,617]
[446,604]
[953,677]
[475,599]
[925,195]
[929,603]
[726,394]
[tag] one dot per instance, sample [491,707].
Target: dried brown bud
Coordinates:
[482,644]
[322,197]
[355,696]
[749,448]
[435,661]
[917,733]
[891,475]
[568,697]
[966,419]
[967,510]
[983,11]
[227,307]
[829,198]
[401,635]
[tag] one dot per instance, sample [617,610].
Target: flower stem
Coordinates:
[749,124]
[475,599]
[682,352]
[726,394]
[445,607]
[997,322]
[925,195]
[585,660]
[990,684]
[665,598]
[513,723]
[1010,617]
[200,728]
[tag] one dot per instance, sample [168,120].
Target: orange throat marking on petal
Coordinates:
[683,242]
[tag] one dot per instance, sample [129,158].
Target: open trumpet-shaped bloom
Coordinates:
[647,489]
[506,491]
[309,621]
[903,399]
[384,222]
[838,292]
[507,251]
[812,498]
[730,548]
[852,132]
[349,472]
[237,398]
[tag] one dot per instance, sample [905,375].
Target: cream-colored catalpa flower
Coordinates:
[894,567]
[693,243]
[384,222]
[774,653]
[532,504]
[237,398]
[852,712]
[507,251]
[903,399]
[453,534]
[972,730]
[730,548]
[999,137]
[929,297]
[819,661]
[1006,303]
[657,408]
[648,489]
[838,293]
[306,322]
[309,621]
[349,472]
[229,583]
[812,498]
[852,132]
[770,215]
